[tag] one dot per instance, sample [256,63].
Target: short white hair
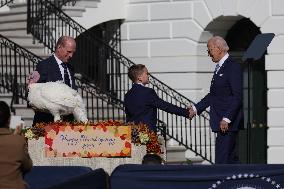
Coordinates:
[220,43]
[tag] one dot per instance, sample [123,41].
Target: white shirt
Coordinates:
[140,84]
[221,62]
[59,62]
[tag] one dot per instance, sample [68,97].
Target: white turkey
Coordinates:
[56,98]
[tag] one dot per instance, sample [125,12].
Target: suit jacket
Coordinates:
[14,160]
[225,97]
[141,105]
[50,72]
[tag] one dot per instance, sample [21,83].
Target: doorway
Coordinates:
[239,37]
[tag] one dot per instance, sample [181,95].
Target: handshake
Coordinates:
[191,112]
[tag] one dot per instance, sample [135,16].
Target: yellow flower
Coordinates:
[144,138]
[29,134]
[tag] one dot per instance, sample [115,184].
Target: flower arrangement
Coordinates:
[35,132]
[140,134]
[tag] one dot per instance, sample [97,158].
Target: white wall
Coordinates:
[275,81]
[107,10]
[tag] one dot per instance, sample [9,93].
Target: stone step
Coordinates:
[191,137]
[76,11]
[20,60]
[103,112]
[28,120]
[180,155]
[35,49]
[31,45]
[191,157]
[3,56]
[95,101]
[22,31]
[176,154]
[19,55]
[21,69]
[23,39]
[190,154]
[171,143]
[179,150]
[88,3]
[12,26]
[18,7]
[23,110]
[10,17]
[6,97]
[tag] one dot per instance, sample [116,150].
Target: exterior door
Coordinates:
[239,38]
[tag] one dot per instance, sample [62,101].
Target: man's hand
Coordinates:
[224,126]
[33,77]
[191,112]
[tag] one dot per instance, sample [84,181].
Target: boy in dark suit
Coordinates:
[56,68]
[141,102]
[225,101]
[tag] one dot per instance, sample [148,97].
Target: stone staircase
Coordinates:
[13,25]
[177,154]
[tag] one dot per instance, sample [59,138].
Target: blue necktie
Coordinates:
[217,68]
[66,76]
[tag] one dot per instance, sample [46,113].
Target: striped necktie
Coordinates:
[66,75]
[217,68]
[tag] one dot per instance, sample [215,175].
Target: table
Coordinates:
[37,153]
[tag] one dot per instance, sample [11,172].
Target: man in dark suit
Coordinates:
[56,68]
[225,101]
[141,102]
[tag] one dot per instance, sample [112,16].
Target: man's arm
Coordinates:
[157,102]
[42,69]
[202,104]
[236,83]
[199,107]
